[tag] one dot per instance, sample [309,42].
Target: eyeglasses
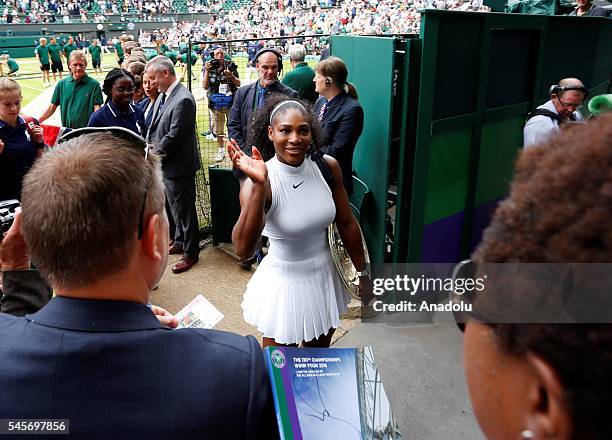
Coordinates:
[122,133]
[564,105]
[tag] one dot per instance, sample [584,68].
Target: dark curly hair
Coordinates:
[560,210]
[261,122]
[111,77]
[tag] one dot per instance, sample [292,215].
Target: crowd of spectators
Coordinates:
[262,17]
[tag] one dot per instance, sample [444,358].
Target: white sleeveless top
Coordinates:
[302,208]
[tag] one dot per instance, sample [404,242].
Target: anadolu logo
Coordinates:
[278,358]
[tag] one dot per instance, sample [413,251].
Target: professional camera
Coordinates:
[232,66]
[7,215]
[215,63]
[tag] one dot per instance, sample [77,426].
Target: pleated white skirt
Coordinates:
[295,301]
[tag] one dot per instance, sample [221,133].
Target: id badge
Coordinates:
[223,89]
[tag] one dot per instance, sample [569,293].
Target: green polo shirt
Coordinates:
[68,48]
[119,49]
[54,52]
[95,51]
[300,80]
[76,100]
[43,54]
[12,65]
[163,49]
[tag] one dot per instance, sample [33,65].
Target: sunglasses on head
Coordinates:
[124,134]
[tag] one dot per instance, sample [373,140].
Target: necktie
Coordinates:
[261,97]
[322,111]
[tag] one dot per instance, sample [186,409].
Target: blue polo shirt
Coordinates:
[109,115]
[16,158]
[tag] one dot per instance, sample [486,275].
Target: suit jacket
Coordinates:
[115,372]
[173,133]
[342,125]
[241,114]
[24,291]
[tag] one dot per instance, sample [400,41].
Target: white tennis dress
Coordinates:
[295,294]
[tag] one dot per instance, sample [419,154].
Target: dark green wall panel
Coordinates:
[370,62]
[447,175]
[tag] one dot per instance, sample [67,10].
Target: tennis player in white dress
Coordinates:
[295,296]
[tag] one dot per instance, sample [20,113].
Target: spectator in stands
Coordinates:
[20,144]
[78,95]
[300,78]
[586,8]
[95,51]
[221,81]
[68,48]
[340,114]
[42,56]
[565,100]
[8,66]
[248,98]
[172,133]
[102,274]
[55,53]
[539,381]
[118,111]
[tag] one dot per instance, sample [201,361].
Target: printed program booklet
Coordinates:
[199,313]
[329,393]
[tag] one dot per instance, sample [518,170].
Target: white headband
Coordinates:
[280,104]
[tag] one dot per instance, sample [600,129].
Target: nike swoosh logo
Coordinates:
[295,186]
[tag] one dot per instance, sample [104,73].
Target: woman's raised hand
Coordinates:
[253,167]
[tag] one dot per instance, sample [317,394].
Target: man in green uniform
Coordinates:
[96,56]
[119,54]
[162,47]
[300,78]
[42,55]
[55,54]
[194,60]
[68,48]
[9,64]
[78,96]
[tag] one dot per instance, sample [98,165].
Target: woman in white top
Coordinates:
[295,296]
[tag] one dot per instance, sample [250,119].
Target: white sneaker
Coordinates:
[211,137]
[220,156]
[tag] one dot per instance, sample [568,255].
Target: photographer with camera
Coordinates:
[221,81]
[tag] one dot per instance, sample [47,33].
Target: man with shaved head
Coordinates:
[566,98]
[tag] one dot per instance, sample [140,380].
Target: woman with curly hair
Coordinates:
[548,381]
[118,110]
[295,296]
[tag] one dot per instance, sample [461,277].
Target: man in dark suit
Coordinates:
[173,136]
[96,354]
[340,114]
[269,64]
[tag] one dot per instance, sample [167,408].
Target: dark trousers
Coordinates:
[181,196]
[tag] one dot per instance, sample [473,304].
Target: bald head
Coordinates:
[571,82]
[567,96]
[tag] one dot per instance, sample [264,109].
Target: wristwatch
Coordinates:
[365,272]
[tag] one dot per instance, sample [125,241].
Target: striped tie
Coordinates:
[322,111]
